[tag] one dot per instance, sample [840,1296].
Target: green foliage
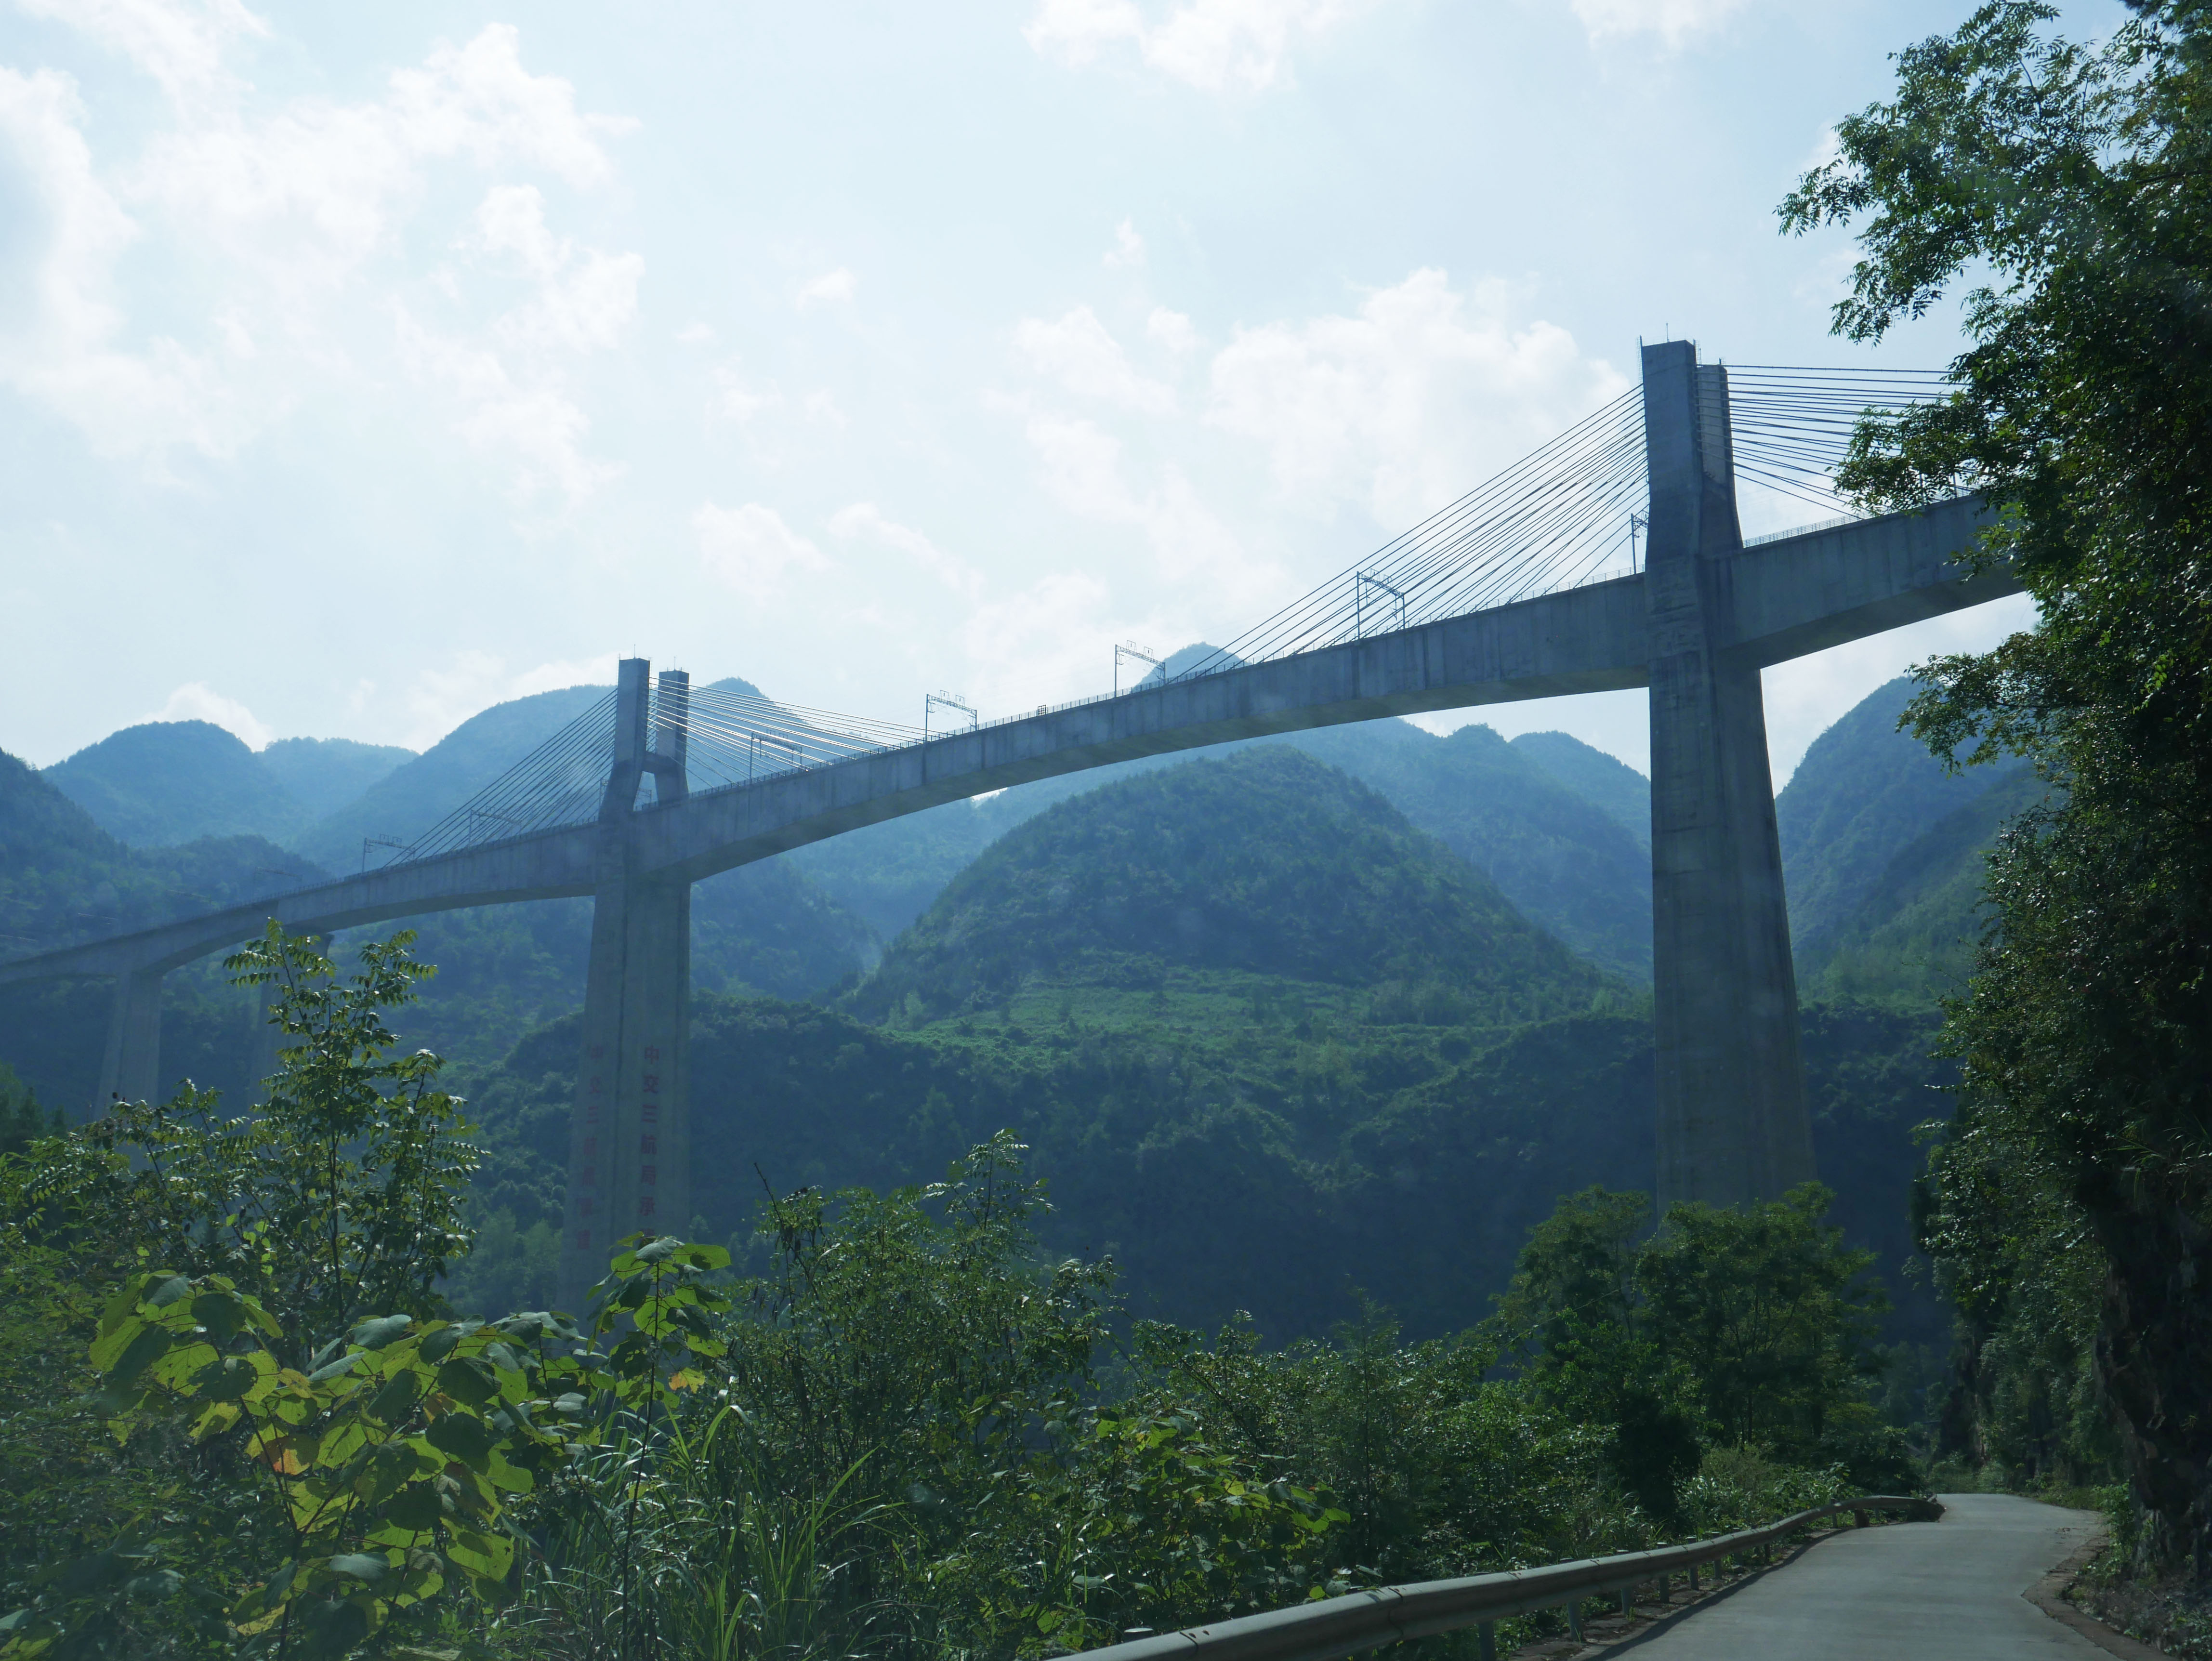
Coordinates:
[1739,1329]
[22,1121]
[2075,177]
[304,1447]
[340,1197]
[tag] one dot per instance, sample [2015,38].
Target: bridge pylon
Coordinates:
[1733,1126]
[629,1147]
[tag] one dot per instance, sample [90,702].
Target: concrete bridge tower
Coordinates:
[1732,1121]
[630,1138]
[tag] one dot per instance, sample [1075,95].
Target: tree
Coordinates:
[338,1198]
[321,1450]
[1575,1318]
[2080,179]
[1742,1328]
[1772,1315]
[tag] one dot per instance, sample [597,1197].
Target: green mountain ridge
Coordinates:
[1863,791]
[164,783]
[1267,862]
[1603,780]
[167,782]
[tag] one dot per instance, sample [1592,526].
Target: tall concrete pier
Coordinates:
[630,1137]
[1732,1121]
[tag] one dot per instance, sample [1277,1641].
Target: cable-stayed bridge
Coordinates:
[1611,558]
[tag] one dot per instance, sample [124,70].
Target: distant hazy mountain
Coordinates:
[1602,780]
[1265,862]
[170,781]
[322,775]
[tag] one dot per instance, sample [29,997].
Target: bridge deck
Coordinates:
[1797,594]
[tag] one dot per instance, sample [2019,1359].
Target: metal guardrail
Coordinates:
[1335,1626]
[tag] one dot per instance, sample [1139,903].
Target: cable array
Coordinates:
[1565,514]
[1554,519]
[560,782]
[735,738]
[1792,426]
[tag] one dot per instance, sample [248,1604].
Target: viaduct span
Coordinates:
[1695,626]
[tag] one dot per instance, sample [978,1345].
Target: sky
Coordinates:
[362,367]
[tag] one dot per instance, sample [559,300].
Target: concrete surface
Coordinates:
[1733,1128]
[1948,1591]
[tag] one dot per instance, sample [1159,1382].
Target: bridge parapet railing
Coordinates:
[1330,1628]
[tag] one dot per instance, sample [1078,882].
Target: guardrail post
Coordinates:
[1858,1519]
[1575,1619]
[1486,1640]
[1693,1580]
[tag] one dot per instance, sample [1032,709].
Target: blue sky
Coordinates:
[361,366]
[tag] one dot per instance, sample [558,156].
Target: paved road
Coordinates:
[1946,1591]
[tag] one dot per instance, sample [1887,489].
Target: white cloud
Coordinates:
[1172,330]
[1051,641]
[529,420]
[180,45]
[61,344]
[1409,403]
[830,289]
[279,215]
[863,520]
[584,300]
[1078,353]
[1215,45]
[1128,248]
[752,549]
[1672,21]
[1207,565]
[196,701]
[736,400]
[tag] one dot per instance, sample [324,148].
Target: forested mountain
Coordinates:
[1598,778]
[63,879]
[1267,863]
[1544,833]
[1882,853]
[173,781]
[1556,852]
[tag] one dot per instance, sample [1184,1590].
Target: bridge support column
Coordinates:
[130,1066]
[1733,1126]
[630,1142]
[263,1042]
